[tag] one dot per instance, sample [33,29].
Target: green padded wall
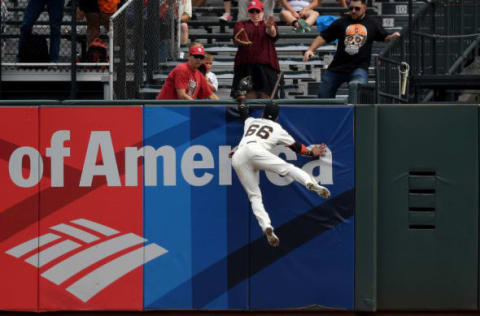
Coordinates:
[365,207]
[427,216]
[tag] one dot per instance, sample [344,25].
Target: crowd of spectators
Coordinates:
[255,33]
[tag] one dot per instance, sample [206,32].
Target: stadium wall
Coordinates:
[92,220]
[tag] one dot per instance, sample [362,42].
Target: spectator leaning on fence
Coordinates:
[256,55]
[55,16]
[185,81]
[355,33]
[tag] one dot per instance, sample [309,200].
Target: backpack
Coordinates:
[97,52]
[34,49]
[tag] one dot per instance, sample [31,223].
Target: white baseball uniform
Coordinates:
[253,154]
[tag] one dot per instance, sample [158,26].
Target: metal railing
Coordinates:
[435,42]
[142,36]
[361,93]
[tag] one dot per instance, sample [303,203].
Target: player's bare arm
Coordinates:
[317,42]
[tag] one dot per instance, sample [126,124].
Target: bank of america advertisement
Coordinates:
[139,208]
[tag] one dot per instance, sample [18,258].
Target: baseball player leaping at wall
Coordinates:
[253,154]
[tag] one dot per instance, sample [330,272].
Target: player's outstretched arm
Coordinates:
[315,152]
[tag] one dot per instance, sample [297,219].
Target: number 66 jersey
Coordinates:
[265,133]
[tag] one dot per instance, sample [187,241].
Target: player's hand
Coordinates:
[307,55]
[295,15]
[319,151]
[302,13]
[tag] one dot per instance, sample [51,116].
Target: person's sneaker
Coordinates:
[271,237]
[225,17]
[299,29]
[304,25]
[320,190]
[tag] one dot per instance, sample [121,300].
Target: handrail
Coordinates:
[421,12]
[137,102]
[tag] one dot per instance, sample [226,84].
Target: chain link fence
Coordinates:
[144,35]
[441,32]
[13,15]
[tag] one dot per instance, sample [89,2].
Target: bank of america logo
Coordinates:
[92,247]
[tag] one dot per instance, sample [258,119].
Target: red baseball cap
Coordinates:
[197,50]
[255,4]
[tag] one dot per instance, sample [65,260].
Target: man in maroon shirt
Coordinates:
[185,81]
[256,55]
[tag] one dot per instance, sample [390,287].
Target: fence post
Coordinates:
[73,53]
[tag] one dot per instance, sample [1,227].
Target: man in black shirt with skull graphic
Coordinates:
[355,33]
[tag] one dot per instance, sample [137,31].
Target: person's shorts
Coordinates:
[263,78]
[95,6]
[89,6]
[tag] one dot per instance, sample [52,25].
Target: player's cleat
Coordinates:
[225,17]
[322,191]
[271,237]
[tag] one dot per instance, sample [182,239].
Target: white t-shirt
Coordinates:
[298,5]
[266,133]
[213,79]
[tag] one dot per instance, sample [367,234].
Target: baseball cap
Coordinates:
[197,50]
[271,111]
[255,4]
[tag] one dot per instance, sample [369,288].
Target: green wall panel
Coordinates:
[427,217]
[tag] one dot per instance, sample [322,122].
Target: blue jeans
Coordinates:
[55,15]
[331,81]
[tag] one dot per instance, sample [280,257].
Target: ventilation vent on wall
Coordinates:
[421,199]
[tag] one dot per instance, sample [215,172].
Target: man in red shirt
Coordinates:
[186,82]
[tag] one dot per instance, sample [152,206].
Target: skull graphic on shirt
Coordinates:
[355,38]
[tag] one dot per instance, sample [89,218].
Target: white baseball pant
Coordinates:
[247,161]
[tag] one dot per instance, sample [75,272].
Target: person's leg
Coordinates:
[311,17]
[359,75]
[286,16]
[55,15]
[331,81]
[183,33]
[93,26]
[268,6]
[249,178]
[32,12]
[243,9]
[227,16]
[265,160]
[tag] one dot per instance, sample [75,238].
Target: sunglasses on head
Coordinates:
[253,11]
[353,8]
[199,56]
